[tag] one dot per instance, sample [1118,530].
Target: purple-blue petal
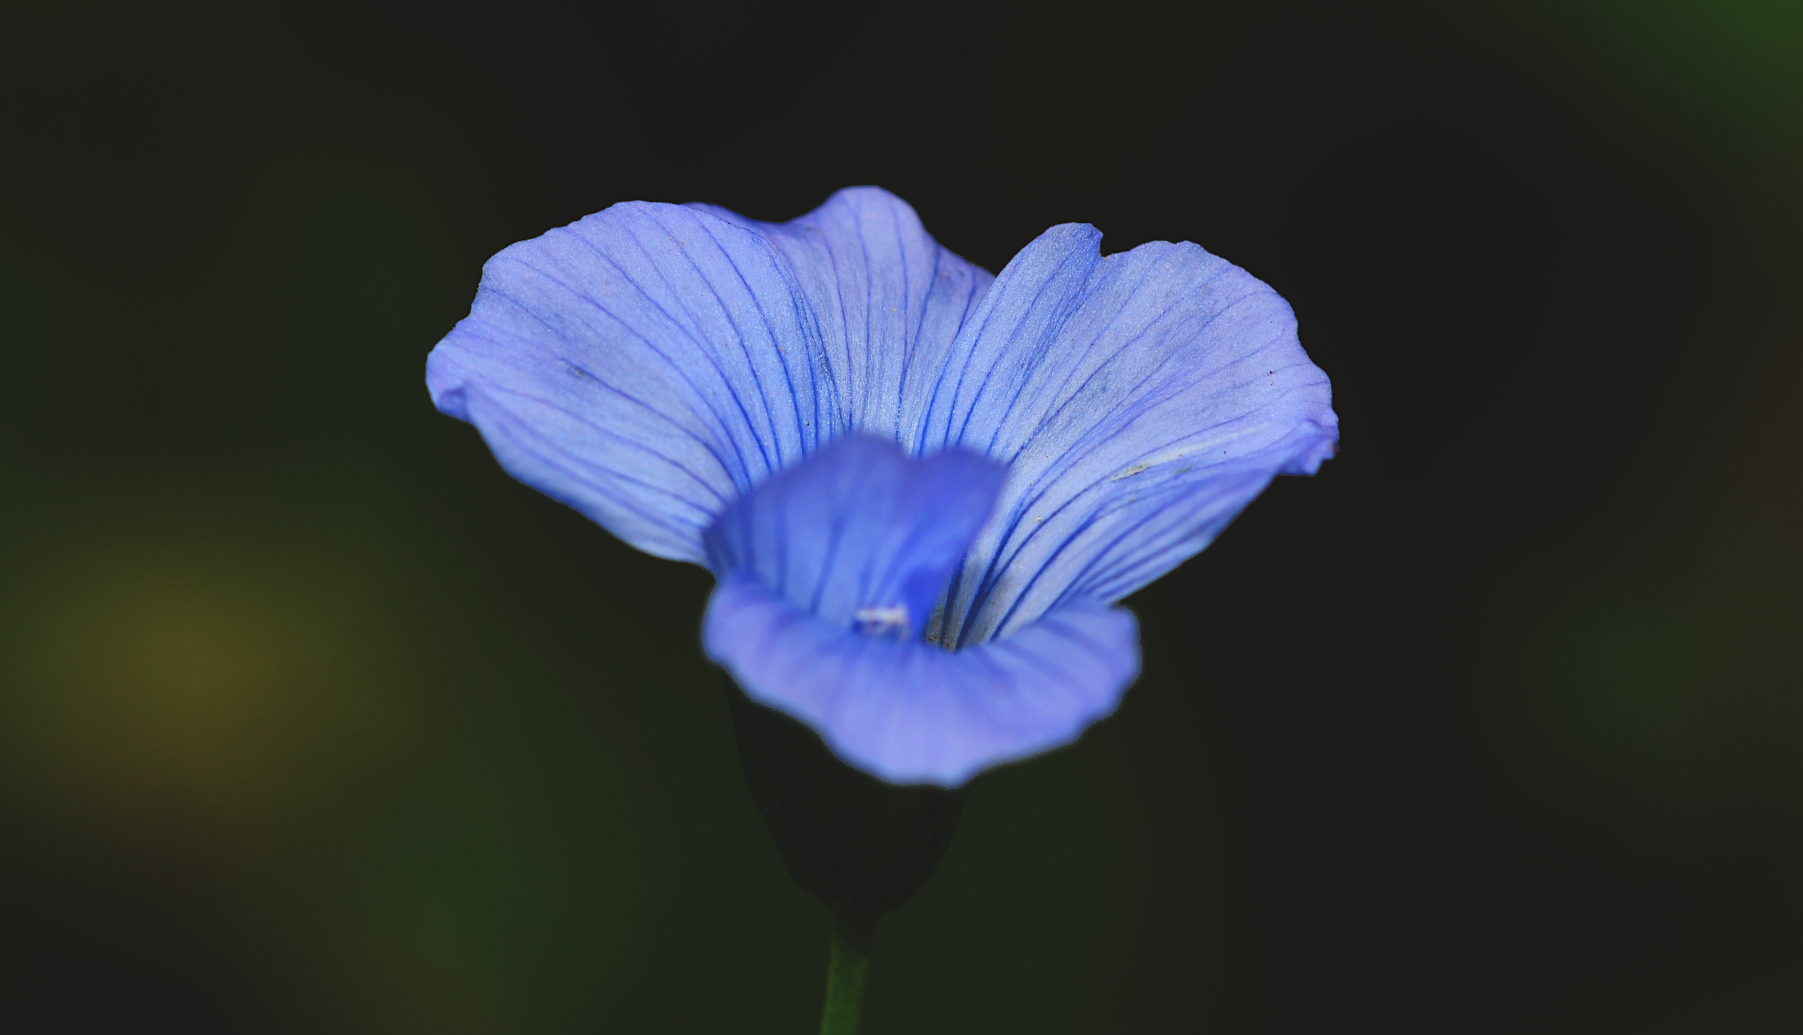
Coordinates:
[646,365]
[910,711]
[889,298]
[859,525]
[650,363]
[1141,401]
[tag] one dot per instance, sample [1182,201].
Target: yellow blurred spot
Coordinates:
[184,680]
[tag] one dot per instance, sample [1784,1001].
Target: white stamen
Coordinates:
[883,622]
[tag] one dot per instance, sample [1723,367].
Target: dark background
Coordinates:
[312,720]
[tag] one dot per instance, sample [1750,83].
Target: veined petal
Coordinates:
[1141,401]
[909,711]
[646,365]
[889,298]
[859,534]
[650,363]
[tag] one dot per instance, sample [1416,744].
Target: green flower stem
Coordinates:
[846,969]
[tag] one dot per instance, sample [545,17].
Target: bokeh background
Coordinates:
[312,720]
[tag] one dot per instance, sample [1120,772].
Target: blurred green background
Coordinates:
[312,720]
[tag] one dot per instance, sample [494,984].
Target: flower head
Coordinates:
[920,487]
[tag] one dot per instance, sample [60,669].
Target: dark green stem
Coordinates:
[846,969]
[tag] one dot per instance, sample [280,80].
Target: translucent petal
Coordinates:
[1141,401]
[890,299]
[650,363]
[645,365]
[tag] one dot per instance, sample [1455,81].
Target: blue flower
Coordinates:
[921,488]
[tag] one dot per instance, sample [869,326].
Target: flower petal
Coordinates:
[649,363]
[909,711]
[889,298]
[859,527]
[1141,401]
[645,365]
